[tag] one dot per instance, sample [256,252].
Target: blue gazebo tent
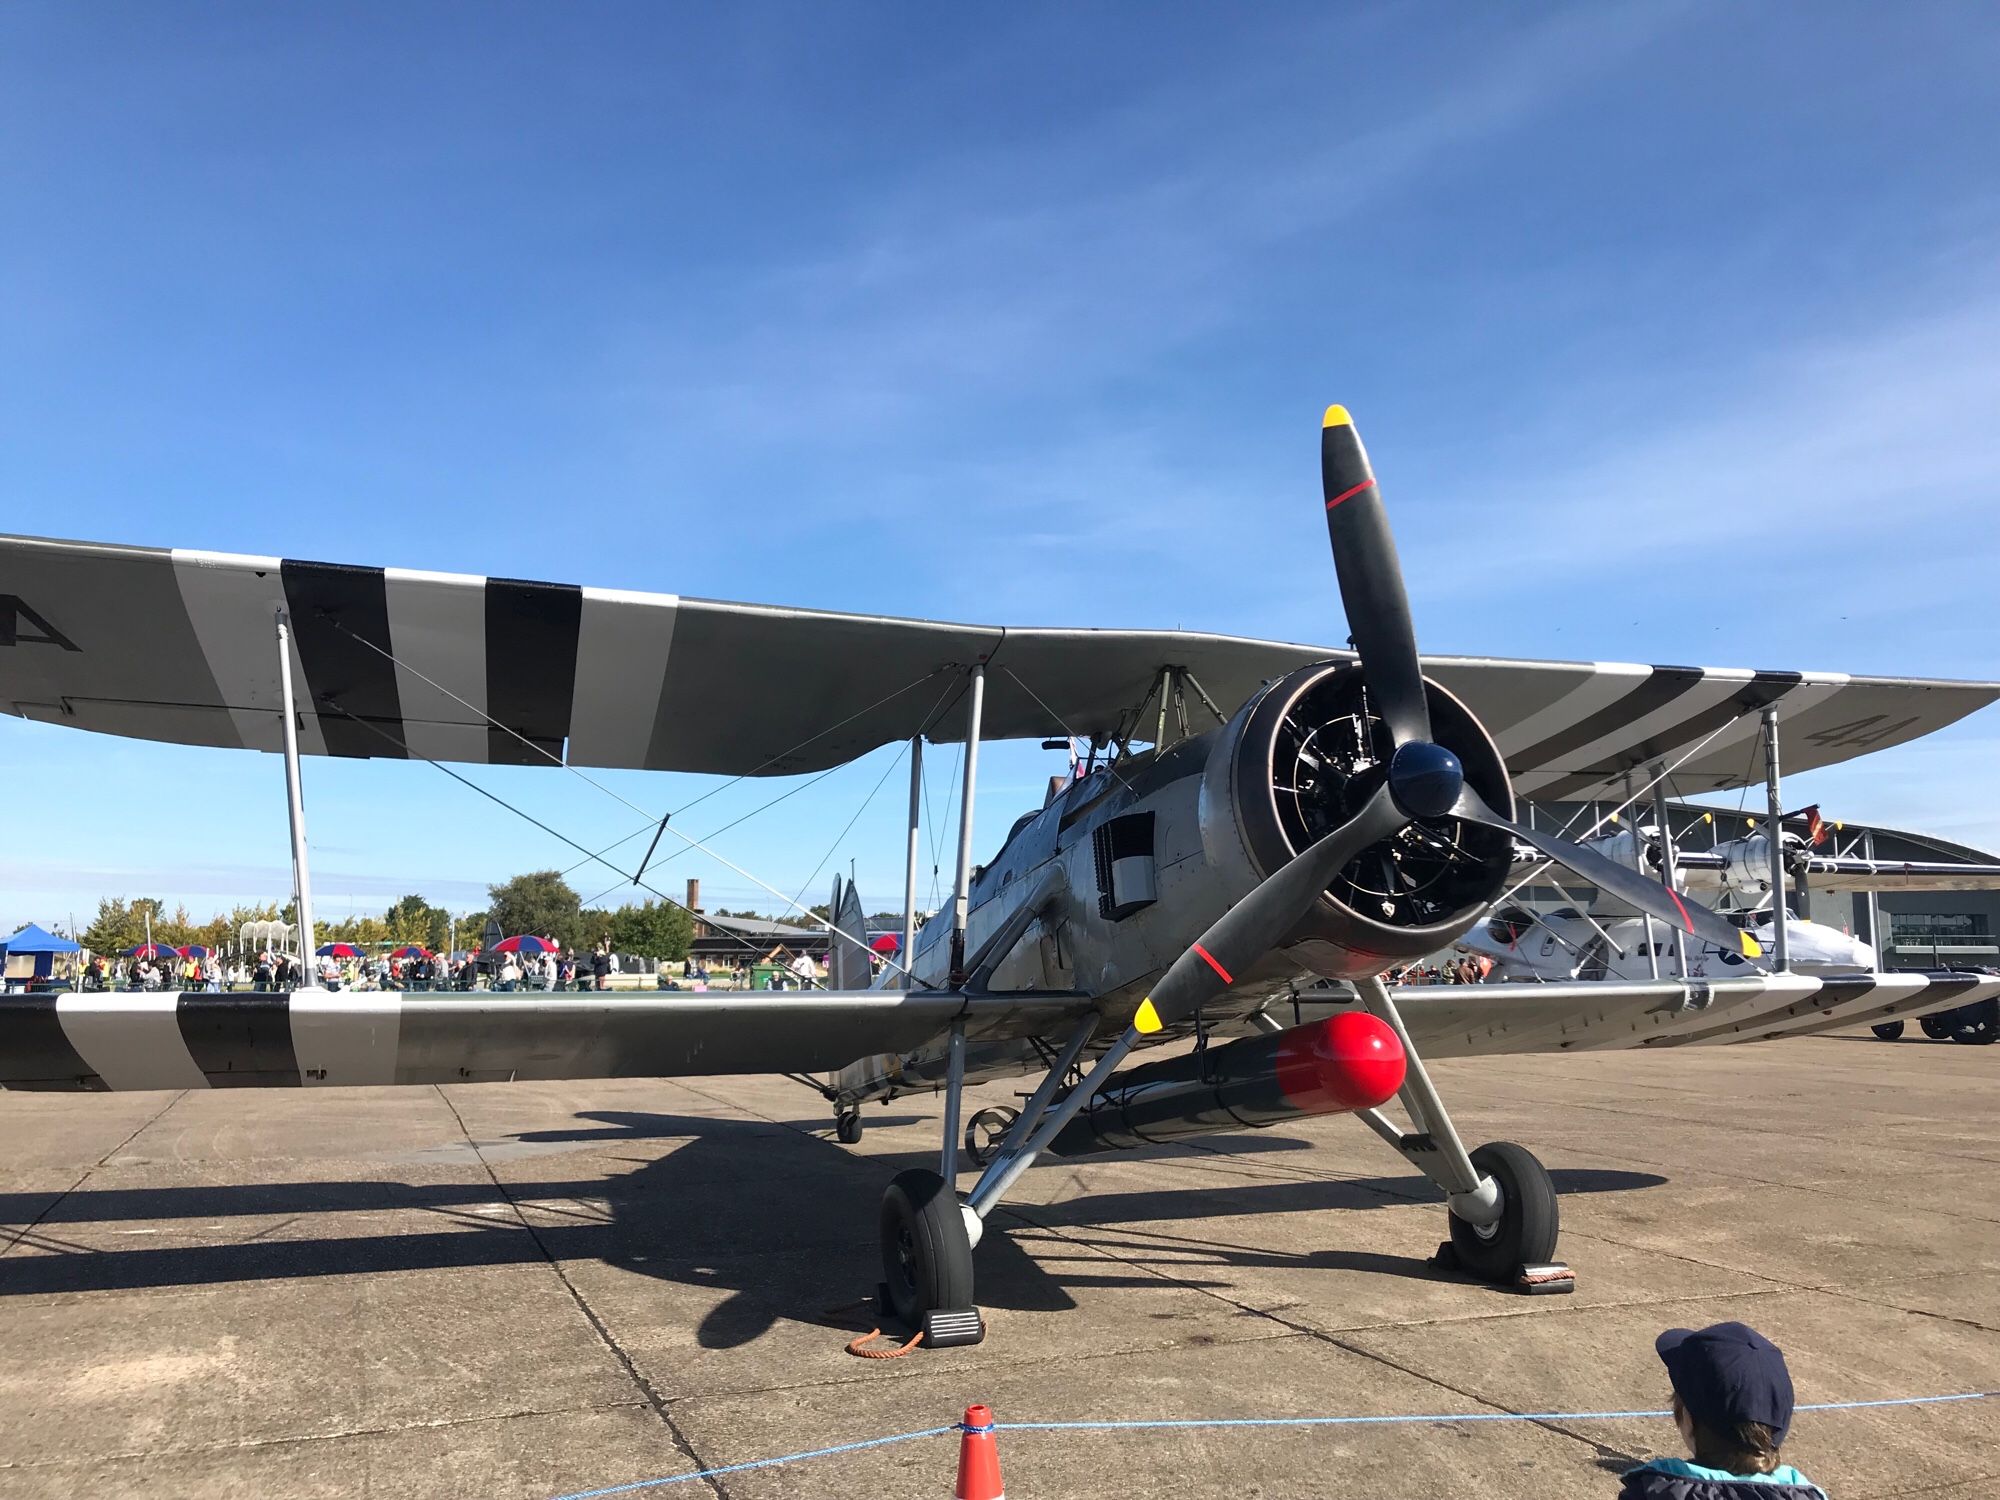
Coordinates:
[42,945]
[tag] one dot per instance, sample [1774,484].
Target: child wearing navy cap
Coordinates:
[1732,1403]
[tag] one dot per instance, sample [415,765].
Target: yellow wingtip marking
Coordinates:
[1751,947]
[1336,416]
[1147,1020]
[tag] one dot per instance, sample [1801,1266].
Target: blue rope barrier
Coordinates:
[1176,1423]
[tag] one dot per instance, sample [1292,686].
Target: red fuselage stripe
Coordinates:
[1349,494]
[1209,959]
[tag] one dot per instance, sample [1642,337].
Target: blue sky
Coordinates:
[1674,330]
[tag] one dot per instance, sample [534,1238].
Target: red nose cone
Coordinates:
[1348,1061]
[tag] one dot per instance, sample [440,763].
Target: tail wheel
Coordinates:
[1529,1218]
[926,1254]
[847,1127]
[1888,1031]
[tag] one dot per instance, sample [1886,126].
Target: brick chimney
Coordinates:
[694,905]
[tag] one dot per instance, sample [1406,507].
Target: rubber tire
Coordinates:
[847,1127]
[1888,1031]
[1939,1027]
[1978,1023]
[1529,1216]
[926,1255]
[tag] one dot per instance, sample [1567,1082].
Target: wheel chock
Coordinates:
[1446,1258]
[1551,1278]
[953,1327]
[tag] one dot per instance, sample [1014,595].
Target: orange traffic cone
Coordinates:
[978,1458]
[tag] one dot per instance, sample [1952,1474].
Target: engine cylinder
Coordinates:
[1301,759]
[1348,1061]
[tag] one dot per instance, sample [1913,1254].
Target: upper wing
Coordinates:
[127,1040]
[179,645]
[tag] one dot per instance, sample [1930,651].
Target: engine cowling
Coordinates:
[1298,760]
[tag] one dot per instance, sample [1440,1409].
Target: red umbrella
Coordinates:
[339,950]
[152,950]
[886,942]
[524,943]
[193,950]
[411,950]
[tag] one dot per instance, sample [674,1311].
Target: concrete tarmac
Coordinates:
[531,1290]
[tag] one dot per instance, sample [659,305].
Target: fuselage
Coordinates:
[1106,885]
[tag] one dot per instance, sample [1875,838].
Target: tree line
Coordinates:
[540,902]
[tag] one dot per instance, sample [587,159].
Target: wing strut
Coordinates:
[961,897]
[296,803]
[1781,958]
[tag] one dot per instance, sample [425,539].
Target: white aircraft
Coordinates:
[1570,944]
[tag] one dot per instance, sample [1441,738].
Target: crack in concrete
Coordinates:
[56,1202]
[652,1397]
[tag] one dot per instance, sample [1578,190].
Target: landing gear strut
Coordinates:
[928,1235]
[1503,1211]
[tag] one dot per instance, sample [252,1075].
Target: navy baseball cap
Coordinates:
[1729,1373]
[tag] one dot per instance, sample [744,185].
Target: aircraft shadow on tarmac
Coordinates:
[786,1243]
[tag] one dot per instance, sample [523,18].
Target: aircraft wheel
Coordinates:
[1529,1218]
[847,1127]
[1979,1024]
[1940,1027]
[926,1254]
[1888,1031]
[986,1130]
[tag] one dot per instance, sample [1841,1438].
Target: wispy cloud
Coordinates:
[1842,469]
[1066,264]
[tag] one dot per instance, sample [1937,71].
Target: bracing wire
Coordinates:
[625,880]
[834,847]
[588,780]
[1540,865]
[937,843]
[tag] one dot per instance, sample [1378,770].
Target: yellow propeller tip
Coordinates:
[1336,416]
[1751,947]
[1147,1020]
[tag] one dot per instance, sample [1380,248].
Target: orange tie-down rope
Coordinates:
[858,1346]
[855,1346]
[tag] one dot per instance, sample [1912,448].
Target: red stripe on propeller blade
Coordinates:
[1349,494]
[1209,959]
[1686,920]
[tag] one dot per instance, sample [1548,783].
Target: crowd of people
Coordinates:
[162,968]
[1464,970]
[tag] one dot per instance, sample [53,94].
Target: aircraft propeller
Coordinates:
[1421,782]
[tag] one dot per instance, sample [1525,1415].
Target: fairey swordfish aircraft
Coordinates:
[1246,885]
